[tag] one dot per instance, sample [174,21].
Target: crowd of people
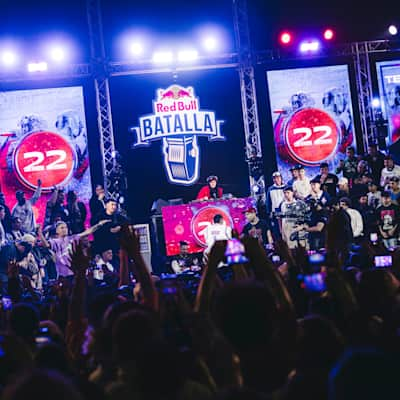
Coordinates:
[295,306]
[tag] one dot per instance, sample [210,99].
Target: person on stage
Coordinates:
[211,191]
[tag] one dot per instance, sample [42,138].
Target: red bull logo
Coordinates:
[178,121]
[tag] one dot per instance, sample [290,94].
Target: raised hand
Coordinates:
[79,256]
[129,240]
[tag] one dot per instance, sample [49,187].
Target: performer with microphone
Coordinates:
[211,191]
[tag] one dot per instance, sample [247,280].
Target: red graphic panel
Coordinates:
[187,221]
[46,156]
[312,136]
[203,219]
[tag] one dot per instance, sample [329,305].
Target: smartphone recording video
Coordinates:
[314,282]
[383,261]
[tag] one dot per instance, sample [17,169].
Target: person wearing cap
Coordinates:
[3,237]
[301,186]
[317,194]
[256,227]
[184,261]
[388,221]
[394,191]
[289,211]
[211,191]
[348,166]
[390,169]
[23,209]
[328,180]
[273,201]
[356,221]
[295,175]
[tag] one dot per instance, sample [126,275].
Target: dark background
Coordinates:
[29,24]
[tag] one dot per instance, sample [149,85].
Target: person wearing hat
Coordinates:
[390,169]
[317,194]
[23,209]
[185,261]
[301,186]
[211,191]
[295,175]
[256,227]
[328,180]
[274,200]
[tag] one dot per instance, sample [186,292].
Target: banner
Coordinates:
[178,121]
[312,116]
[389,93]
[43,136]
[189,222]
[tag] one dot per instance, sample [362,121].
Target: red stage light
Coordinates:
[285,38]
[328,34]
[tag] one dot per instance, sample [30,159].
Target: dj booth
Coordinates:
[188,222]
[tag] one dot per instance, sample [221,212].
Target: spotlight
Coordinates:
[285,38]
[37,67]
[309,46]
[210,43]
[136,48]
[163,57]
[188,55]
[376,102]
[8,58]
[393,30]
[328,34]
[57,54]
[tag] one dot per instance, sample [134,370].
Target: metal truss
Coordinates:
[361,52]
[249,100]
[100,69]
[103,101]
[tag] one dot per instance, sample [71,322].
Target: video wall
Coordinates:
[389,93]
[312,116]
[43,137]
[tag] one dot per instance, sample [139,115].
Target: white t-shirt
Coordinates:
[216,232]
[388,174]
[302,188]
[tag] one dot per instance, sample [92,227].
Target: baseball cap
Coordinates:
[250,210]
[299,166]
[288,187]
[324,165]
[276,173]
[212,178]
[343,181]
[315,180]
[385,193]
